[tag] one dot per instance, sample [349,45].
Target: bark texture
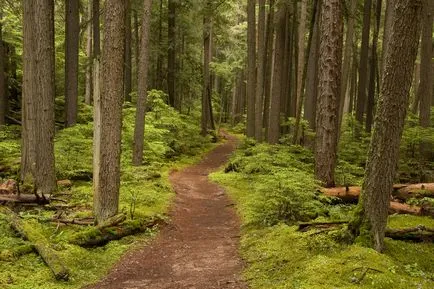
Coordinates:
[71,61]
[389,122]
[330,64]
[142,84]
[108,114]
[251,66]
[261,72]
[128,52]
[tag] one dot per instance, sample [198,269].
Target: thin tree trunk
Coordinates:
[275,101]
[3,96]
[128,52]
[160,44]
[301,54]
[136,48]
[108,115]
[373,68]
[96,49]
[261,72]
[251,66]
[89,53]
[330,65]
[414,88]
[268,65]
[71,61]
[142,85]
[389,124]
[363,65]
[206,92]
[171,65]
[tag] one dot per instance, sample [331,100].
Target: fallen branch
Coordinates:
[39,242]
[24,199]
[319,225]
[419,234]
[94,237]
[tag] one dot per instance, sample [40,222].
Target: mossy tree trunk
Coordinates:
[389,124]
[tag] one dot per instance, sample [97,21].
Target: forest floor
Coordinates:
[199,248]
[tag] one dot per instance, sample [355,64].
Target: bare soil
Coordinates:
[199,248]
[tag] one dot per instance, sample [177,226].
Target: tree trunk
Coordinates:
[275,100]
[346,67]
[160,44]
[171,65]
[330,65]
[96,48]
[136,49]
[128,54]
[389,124]
[363,64]
[71,61]
[312,73]
[268,64]
[142,85]
[251,66]
[425,90]
[3,96]
[388,18]
[261,72]
[89,53]
[108,114]
[206,90]
[373,68]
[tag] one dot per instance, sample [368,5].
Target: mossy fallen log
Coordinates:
[100,236]
[24,199]
[16,252]
[305,226]
[416,234]
[27,231]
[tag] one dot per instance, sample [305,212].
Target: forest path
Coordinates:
[199,249]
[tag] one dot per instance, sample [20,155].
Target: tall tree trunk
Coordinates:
[312,72]
[330,65]
[142,85]
[3,96]
[89,53]
[363,65]
[275,101]
[301,53]
[128,52]
[71,61]
[136,48]
[346,67]
[108,114]
[268,64]
[261,72]
[171,65]
[160,44]
[206,90]
[251,66]
[388,18]
[389,123]
[96,48]
[373,68]
[37,152]
[425,90]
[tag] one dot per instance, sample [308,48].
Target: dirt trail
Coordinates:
[198,250]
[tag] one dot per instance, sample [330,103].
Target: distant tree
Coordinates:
[330,65]
[260,72]
[3,95]
[389,123]
[37,153]
[108,114]
[171,53]
[142,84]
[251,66]
[89,54]
[71,61]
[128,52]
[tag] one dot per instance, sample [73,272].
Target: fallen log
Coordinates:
[95,237]
[9,187]
[418,234]
[24,199]
[16,252]
[305,226]
[40,244]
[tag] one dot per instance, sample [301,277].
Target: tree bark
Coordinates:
[142,85]
[128,52]
[389,124]
[330,65]
[275,100]
[72,32]
[363,64]
[88,96]
[388,18]
[425,90]
[108,114]
[261,72]
[251,66]
[268,65]
[206,90]
[171,65]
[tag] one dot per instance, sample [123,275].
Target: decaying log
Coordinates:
[305,226]
[16,252]
[94,237]
[24,199]
[40,244]
[418,234]
[72,222]
[111,222]
[9,187]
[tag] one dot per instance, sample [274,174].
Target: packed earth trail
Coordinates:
[199,248]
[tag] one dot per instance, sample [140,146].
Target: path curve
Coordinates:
[199,249]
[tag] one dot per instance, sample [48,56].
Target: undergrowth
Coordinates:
[171,140]
[274,189]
